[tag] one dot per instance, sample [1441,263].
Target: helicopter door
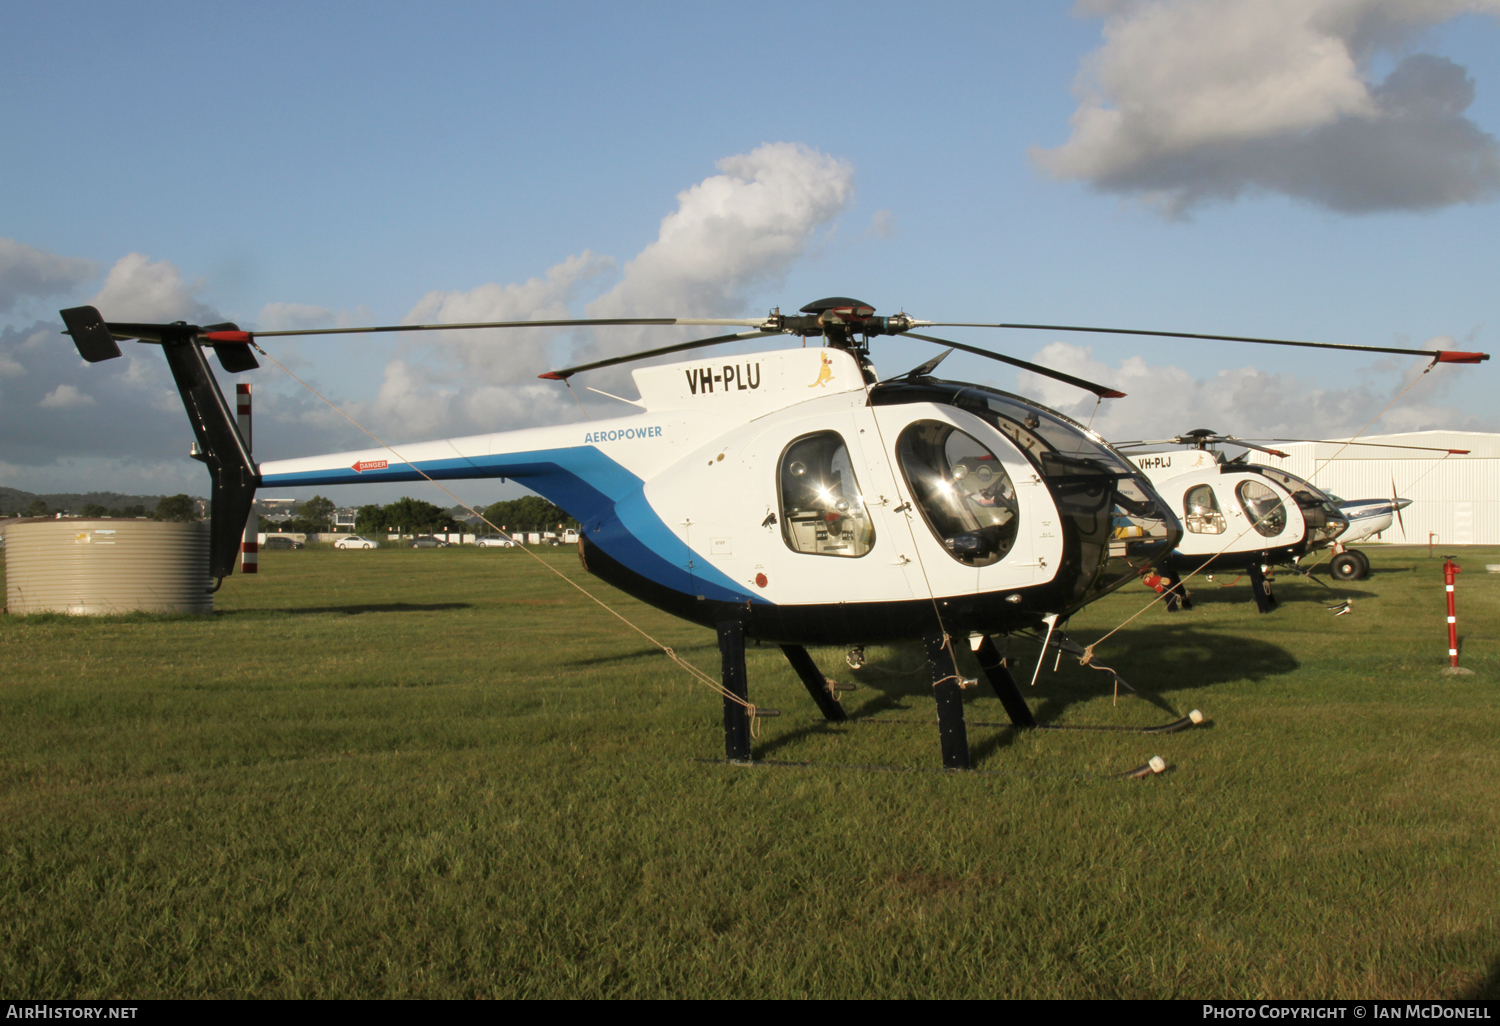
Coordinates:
[822,540]
[971,500]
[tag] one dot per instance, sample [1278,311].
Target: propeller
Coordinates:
[1397,505]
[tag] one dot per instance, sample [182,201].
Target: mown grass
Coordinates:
[443,774]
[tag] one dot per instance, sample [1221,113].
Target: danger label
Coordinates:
[364,465]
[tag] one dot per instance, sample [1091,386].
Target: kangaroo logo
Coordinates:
[825,372]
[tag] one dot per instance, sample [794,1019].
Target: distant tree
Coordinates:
[528,513]
[180,508]
[93,509]
[38,508]
[370,519]
[413,516]
[317,511]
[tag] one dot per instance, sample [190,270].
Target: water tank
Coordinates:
[99,566]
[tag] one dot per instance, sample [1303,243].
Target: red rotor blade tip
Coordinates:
[1454,356]
[227,336]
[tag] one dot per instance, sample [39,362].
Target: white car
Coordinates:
[354,541]
[495,541]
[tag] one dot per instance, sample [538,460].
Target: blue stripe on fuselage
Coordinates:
[608,500]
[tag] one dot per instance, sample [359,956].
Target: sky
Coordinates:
[1325,170]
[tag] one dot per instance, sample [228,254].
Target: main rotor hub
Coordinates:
[846,323]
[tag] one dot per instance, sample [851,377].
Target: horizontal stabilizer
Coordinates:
[90,334]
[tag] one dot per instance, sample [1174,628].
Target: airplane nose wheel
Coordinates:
[1350,565]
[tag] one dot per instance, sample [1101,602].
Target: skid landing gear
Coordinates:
[1260,586]
[1177,596]
[947,688]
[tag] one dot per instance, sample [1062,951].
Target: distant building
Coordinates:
[1455,499]
[278,511]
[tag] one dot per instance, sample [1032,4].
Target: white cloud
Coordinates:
[138,289]
[410,401]
[1190,101]
[732,233]
[65,397]
[509,354]
[28,272]
[10,368]
[295,316]
[1164,401]
[736,231]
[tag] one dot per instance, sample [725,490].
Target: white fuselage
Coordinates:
[698,498]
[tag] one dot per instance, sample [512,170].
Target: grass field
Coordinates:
[443,774]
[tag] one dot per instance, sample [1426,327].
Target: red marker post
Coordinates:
[250,543]
[1450,569]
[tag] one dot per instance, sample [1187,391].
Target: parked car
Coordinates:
[355,541]
[494,541]
[273,542]
[427,541]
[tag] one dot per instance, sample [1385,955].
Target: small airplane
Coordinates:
[791,496]
[1367,517]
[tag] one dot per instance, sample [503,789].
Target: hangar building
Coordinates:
[1455,499]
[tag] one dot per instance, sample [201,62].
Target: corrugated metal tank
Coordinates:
[100,566]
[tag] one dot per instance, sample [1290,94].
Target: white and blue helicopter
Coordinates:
[1237,515]
[1240,515]
[790,496]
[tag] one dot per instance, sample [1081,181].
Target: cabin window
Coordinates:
[963,491]
[1263,507]
[822,511]
[1202,509]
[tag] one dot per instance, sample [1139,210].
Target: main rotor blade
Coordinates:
[596,321]
[1101,391]
[565,374]
[1374,445]
[1230,439]
[1437,355]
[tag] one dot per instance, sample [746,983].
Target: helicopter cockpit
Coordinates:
[1325,521]
[963,491]
[1113,522]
